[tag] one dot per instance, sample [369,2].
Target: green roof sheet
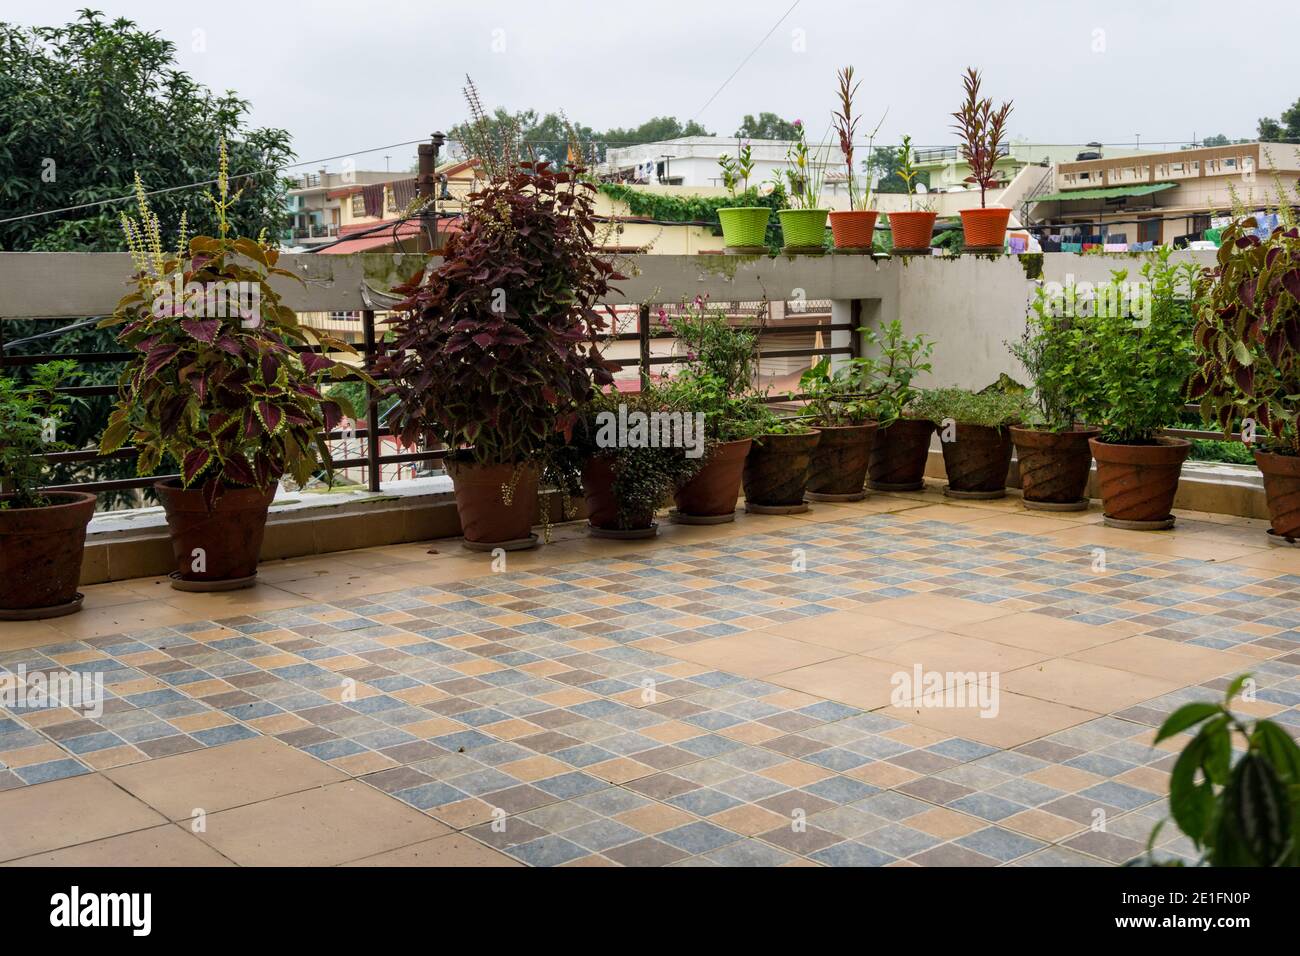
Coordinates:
[1114,192]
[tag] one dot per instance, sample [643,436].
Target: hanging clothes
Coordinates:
[373,197]
[404,191]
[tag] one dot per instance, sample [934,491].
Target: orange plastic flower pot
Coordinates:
[853,229]
[912,230]
[984,228]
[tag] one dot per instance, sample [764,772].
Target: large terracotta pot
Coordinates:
[985,228]
[976,461]
[603,504]
[487,521]
[1054,467]
[839,463]
[899,455]
[217,548]
[776,472]
[1282,490]
[40,555]
[854,229]
[913,231]
[1138,482]
[710,497]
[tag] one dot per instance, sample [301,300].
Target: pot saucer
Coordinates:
[676,517]
[518,544]
[1275,539]
[818,496]
[41,613]
[950,492]
[1080,505]
[754,509]
[1159,524]
[618,534]
[203,587]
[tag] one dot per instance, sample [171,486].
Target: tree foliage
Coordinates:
[766,126]
[1284,129]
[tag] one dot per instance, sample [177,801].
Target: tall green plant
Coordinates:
[30,416]
[875,386]
[982,129]
[1047,351]
[805,170]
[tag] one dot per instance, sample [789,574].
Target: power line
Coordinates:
[747,58]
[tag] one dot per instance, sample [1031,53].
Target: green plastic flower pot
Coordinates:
[803,228]
[744,225]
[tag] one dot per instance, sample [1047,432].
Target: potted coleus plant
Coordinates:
[853,229]
[495,346]
[744,228]
[975,437]
[776,470]
[1137,357]
[218,387]
[42,534]
[1053,452]
[1247,341]
[803,224]
[901,448]
[912,229]
[636,449]
[982,130]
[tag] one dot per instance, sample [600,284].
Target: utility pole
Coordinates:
[426,185]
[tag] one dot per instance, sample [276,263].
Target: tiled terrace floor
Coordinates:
[679,701]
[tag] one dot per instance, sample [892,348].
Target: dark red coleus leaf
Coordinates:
[314,362]
[238,471]
[205,330]
[332,413]
[194,463]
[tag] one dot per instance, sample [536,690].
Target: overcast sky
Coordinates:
[344,77]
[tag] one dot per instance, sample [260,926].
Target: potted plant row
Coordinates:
[975,436]
[1247,342]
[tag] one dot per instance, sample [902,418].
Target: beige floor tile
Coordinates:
[957,652]
[935,611]
[219,778]
[1019,719]
[20,635]
[1039,632]
[1065,778]
[654,818]
[1080,684]
[952,514]
[1027,522]
[946,824]
[857,681]
[848,631]
[1041,824]
[62,813]
[320,827]
[754,654]
[1168,660]
[454,849]
[167,845]
[749,820]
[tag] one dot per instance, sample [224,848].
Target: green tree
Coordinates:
[548,134]
[884,161]
[766,126]
[1284,129]
[83,107]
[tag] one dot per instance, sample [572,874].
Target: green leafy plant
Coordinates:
[982,130]
[644,477]
[1047,351]
[1245,813]
[216,384]
[700,210]
[991,408]
[30,416]
[804,172]
[1247,336]
[906,170]
[720,366]
[737,169]
[875,386]
[1137,367]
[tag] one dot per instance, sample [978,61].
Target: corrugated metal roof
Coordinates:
[1113,192]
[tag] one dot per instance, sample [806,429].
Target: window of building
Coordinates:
[358,205]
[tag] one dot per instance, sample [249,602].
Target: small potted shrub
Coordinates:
[803,224]
[981,130]
[854,229]
[914,229]
[1137,368]
[495,347]
[717,382]
[975,437]
[1247,341]
[901,448]
[218,388]
[744,228]
[1054,455]
[637,450]
[776,471]
[42,534]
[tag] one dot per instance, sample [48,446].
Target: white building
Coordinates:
[693,161]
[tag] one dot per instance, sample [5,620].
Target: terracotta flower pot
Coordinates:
[976,461]
[839,464]
[745,227]
[1138,482]
[217,549]
[776,472]
[913,231]
[899,455]
[40,556]
[984,228]
[603,504]
[1054,466]
[854,229]
[487,521]
[1281,489]
[803,229]
[710,497]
